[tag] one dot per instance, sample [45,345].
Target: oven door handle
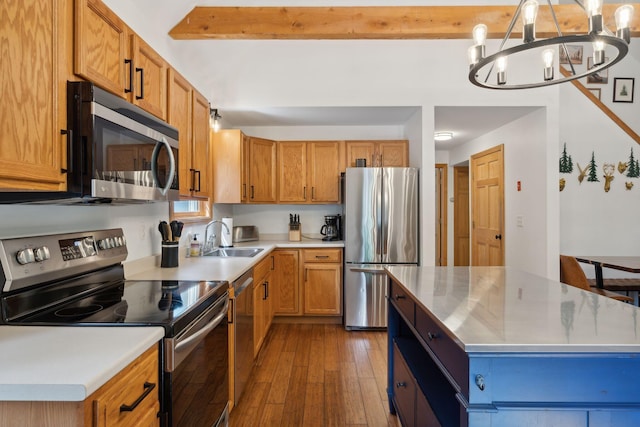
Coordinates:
[154,165]
[205,329]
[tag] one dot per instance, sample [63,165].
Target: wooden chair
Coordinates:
[572,274]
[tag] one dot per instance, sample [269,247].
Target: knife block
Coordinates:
[294,233]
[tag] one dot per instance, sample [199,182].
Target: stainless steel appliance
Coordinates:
[331,228]
[115,150]
[381,228]
[242,325]
[78,279]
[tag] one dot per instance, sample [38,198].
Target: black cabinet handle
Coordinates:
[148,387]
[266,288]
[252,193]
[130,88]
[401,385]
[264,296]
[69,133]
[141,71]
[432,335]
[399,297]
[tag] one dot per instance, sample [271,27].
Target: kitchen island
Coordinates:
[495,346]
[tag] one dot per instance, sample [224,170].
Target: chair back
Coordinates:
[572,274]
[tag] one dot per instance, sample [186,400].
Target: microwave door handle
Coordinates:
[154,165]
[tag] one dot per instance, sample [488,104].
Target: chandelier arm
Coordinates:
[562,45]
[512,24]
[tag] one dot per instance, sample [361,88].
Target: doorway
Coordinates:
[487,202]
[461,232]
[441,214]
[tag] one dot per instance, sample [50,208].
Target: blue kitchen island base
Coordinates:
[492,346]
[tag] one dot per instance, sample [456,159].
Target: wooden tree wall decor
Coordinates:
[593,169]
[566,164]
[633,167]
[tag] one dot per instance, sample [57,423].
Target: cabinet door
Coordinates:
[360,150]
[322,289]
[268,302]
[258,316]
[324,171]
[262,170]
[286,283]
[101,47]
[33,101]
[150,78]
[292,172]
[394,153]
[244,168]
[179,116]
[200,184]
[228,166]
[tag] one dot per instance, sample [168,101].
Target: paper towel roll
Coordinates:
[226,234]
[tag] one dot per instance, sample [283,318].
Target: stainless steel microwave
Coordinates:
[115,152]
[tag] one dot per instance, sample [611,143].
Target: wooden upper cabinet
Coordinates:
[112,56]
[324,170]
[200,165]
[33,102]
[390,153]
[150,78]
[179,93]
[309,172]
[262,170]
[101,47]
[292,172]
[229,160]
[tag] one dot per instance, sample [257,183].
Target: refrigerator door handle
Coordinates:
[371,270]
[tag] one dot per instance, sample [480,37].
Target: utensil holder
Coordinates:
[170,252]
[294,232]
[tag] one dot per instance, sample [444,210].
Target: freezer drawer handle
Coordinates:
[368,270]
[148,387]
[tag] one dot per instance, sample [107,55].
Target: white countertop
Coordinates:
[57,363]
[214,268]
[501,309]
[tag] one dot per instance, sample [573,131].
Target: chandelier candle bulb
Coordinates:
[623,21]
[598,53]
[501,66]
[547,58]
[529,14]
[594,12]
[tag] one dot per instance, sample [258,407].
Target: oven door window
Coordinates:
[130,157]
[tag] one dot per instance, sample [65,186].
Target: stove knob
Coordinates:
[103,244]
[25,256]
[112,242]
[41,254]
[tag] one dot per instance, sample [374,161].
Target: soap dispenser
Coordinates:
[195,246]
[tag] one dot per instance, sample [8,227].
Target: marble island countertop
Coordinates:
[502,309]
[215,268]
[57,363]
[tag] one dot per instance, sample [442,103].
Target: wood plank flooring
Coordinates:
[317,375]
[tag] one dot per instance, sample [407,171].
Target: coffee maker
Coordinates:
[332,228]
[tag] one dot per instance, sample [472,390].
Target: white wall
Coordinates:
[139,222]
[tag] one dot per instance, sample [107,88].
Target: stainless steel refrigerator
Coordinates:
[380,228]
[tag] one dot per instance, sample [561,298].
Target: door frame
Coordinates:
[441,207]
[461,202]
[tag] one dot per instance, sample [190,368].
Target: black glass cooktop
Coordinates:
[171,304]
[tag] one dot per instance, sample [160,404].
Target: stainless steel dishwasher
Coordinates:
[243,332]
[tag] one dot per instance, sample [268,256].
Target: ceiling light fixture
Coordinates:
[214,119]
[599,36]
[443,136]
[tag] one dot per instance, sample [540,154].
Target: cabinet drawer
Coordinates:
[403,301]
[404,389]
[424,413]
[445,348]
[322,255]
[262,268]
[138,381]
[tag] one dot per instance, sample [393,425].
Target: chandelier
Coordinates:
[482,68]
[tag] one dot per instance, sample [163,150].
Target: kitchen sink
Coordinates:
[234,252]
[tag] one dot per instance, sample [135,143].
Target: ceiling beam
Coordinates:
[374,22]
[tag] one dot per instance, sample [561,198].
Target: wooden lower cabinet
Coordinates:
[322,281]
[139,381]
[262,301]
[286,283]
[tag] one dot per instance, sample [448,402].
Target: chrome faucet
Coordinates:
[207,245]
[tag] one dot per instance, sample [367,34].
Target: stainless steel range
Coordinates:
[78,279]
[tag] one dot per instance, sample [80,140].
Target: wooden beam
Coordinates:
[375,22]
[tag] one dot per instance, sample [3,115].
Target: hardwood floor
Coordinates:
[317,375]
